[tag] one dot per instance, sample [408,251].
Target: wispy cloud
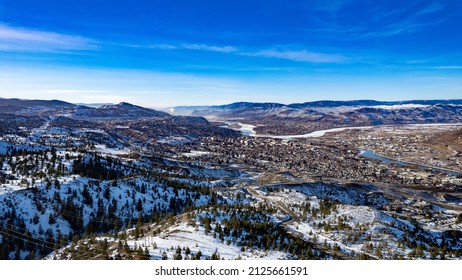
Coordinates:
[415,22]
[382,20]
[431,8]
[189,46]
[447,67]
[158,46]
[18,39]
[300,55]
[224,49]
[73,91]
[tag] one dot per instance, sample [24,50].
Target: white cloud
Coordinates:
[447,67]
[300,55]
[107,98]
[74,91]
[202,47]
[163,47]
[29,40]
[294,55]
[430,9]
[157,89]
[383,20]
[189,46]
[86,85]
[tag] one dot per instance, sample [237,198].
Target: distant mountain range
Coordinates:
[51,107]
[270,118]
[318,104]
[276,118]
[242,106]
[15,105]
[121,121]
[121,110]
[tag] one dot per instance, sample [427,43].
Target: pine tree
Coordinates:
[215,255]
[107,193]
[177,256]
[51,219]
[198,255]
[139,205]
[5,252]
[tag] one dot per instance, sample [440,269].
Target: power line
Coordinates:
[23,237]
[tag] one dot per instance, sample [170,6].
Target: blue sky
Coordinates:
[166,53]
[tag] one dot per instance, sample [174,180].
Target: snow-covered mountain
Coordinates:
[275,118]
[120,111]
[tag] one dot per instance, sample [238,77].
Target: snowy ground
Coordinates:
[365,229]
[195,239]
[313,134]
[111,151]
[195,153]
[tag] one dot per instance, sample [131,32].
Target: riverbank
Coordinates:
[372,155]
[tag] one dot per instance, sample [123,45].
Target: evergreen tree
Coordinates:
[139,205]
[51,219]
[215,255]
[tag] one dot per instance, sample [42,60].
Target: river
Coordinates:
[314,134]
[245,129]
[249,130]
[372,155]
